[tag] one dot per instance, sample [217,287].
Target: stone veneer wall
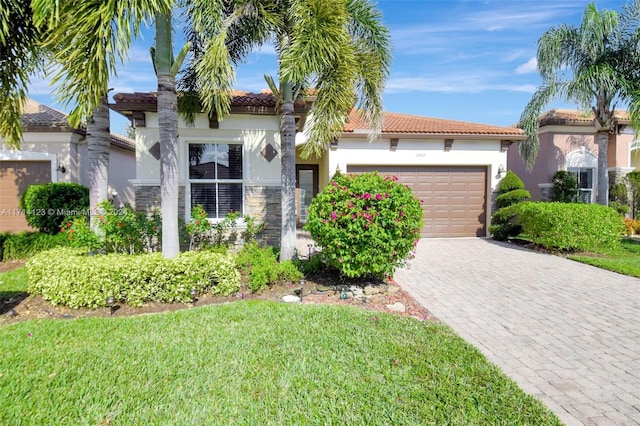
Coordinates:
[263,203]
[148,197]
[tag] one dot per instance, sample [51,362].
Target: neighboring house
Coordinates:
[234,164]
[52,151]
[568,142]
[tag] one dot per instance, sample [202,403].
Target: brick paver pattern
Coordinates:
[566,332]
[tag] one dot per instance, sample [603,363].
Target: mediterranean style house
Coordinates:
[568,142]
[234,164]
[53,151]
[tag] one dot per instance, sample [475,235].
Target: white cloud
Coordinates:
[472,82]
[528,67]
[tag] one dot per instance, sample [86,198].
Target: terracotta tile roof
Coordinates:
[240,98]
[561,117]
[405,123]
[37,114]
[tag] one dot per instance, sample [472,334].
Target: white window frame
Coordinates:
[582,159]
[188,180]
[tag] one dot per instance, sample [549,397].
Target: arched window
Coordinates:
[584,165]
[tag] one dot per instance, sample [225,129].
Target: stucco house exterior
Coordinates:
[568,142]
[234,164]
[53,151]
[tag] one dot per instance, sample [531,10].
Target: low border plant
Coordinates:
[70,277]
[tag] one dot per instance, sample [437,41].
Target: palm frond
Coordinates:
[91,38]
[530,121]
[20,56]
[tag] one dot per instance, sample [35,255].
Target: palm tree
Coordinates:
[584,64]
[338,47]
[166,69]
[20,55]
[88,39]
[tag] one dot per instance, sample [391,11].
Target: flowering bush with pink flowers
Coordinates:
[366,225]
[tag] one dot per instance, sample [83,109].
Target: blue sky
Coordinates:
[467,60]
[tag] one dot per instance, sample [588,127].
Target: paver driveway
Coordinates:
[568,333]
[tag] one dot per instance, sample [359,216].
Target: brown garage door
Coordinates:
[455,198]
[15,176]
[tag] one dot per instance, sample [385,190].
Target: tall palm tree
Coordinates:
[167,67]
[89,39]
[586,65]
[338,47]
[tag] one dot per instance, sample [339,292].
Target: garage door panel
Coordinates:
[454,197]
[15,177]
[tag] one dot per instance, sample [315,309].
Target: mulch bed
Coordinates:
[28,307]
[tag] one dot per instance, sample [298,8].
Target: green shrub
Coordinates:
[47,205]
[3,237]
[504,222]
[619,198]
[366,224]
[512,197]
[80,235]
[122,230]
[570,226]
[509,182]
[70,277]
[512,193]
[261,267]
[633,180]
[26,244]
[565,187]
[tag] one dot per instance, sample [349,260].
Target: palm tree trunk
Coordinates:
[288,173]
[168,122]
[98,144]
[603,173]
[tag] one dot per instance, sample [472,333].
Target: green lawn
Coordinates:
[13,283]
[624,258]
[253,363]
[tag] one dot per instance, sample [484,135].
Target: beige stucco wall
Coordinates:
[70,150]
[122,169]
[422,152]
[253,131]
[59,147]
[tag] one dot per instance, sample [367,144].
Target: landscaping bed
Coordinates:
[28,307]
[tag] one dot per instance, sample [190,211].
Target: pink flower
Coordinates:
[334,216]
[366,196]
[378,197]
[340,259]
[325,221]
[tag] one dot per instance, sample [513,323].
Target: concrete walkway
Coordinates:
[567,333]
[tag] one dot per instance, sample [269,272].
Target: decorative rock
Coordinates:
[290,298]
[392,289]
[356,291]
[376,289]
[397,307]
[323,288]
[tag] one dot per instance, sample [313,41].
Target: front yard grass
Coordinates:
[624,258]
[253,363]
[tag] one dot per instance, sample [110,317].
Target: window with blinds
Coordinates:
[216,178]
[584,177]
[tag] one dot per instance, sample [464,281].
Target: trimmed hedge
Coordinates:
[47,205]
[512,197]
[69,277]
[570,226]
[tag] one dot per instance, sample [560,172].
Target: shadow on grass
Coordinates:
[10,299]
